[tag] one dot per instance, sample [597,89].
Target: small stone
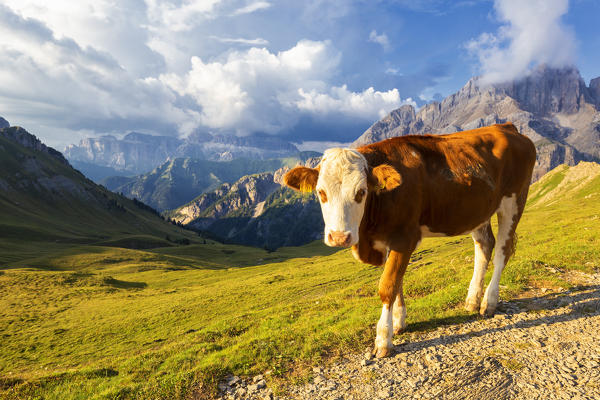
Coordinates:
[232,381]
[364,363]
[257,386]
[317,370]
[258,378]
[319,379]
[368,355]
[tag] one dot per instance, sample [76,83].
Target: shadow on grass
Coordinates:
[584,301]
[116,283]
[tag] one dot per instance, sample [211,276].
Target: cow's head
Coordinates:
[342,181]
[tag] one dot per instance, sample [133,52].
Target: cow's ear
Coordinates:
[383,178]
[302,179]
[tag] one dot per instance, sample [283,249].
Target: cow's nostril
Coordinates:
[338,238]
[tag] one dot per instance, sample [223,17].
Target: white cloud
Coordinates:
[180,17]
[57,81]
[249,42]
[257,90]
[380,39]
[104,66]
[532,33]
[368,104]
[393,71]
[252,7]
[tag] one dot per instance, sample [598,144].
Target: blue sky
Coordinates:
[311,70]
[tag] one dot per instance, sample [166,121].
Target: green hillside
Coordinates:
[46,204]
[99,322]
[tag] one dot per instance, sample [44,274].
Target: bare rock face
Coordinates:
[595,90]
[553,107]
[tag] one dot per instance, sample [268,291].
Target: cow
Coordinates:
[382,199]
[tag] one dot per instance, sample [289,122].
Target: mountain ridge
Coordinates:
[42,198]
[139,153]
[553,107]
[256,210]
[180,180]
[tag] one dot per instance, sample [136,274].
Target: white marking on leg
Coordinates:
[384,329]
[506,212]
[399,315]
[476,286]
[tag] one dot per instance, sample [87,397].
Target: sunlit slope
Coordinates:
[102,322]
[45,201]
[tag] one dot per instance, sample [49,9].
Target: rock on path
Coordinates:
[545,346]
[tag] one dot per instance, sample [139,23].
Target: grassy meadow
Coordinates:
[83,321]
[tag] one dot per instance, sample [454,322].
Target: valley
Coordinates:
[99,321]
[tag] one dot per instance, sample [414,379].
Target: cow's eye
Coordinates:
[359,195]
[323,196]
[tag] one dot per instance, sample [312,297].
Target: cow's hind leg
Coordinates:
[509,213]
[483,238]
[390,280]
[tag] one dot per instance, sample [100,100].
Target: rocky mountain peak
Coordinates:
[3,123]
[595,90]
[552,106]
[26,139]
[548,90]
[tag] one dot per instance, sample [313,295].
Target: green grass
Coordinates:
[80,321]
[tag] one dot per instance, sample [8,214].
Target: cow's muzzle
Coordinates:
[339,239]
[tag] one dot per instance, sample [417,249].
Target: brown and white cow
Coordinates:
[383,198]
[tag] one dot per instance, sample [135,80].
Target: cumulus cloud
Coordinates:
[368,104]
[380,39]
[99,66]
[58,80]
[532,33]
[257,90]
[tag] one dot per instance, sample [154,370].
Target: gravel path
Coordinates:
[545,345]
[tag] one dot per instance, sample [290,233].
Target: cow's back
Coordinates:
[455,182]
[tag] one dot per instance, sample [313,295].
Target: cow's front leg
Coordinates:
[388,290]
[399,311]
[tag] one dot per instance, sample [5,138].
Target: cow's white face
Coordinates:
[342,181]
[342,192]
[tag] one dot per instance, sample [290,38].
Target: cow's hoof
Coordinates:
[471,306]
[487,310]
[382,352]
[399,329]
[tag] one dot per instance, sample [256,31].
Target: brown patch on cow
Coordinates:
[323,196]
[302,179]
[367,254]
[383,177]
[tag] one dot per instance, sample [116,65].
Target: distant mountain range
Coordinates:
[553,107]
[256,210]
[178,181]
[138,153]
[43,199]
[240,200]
